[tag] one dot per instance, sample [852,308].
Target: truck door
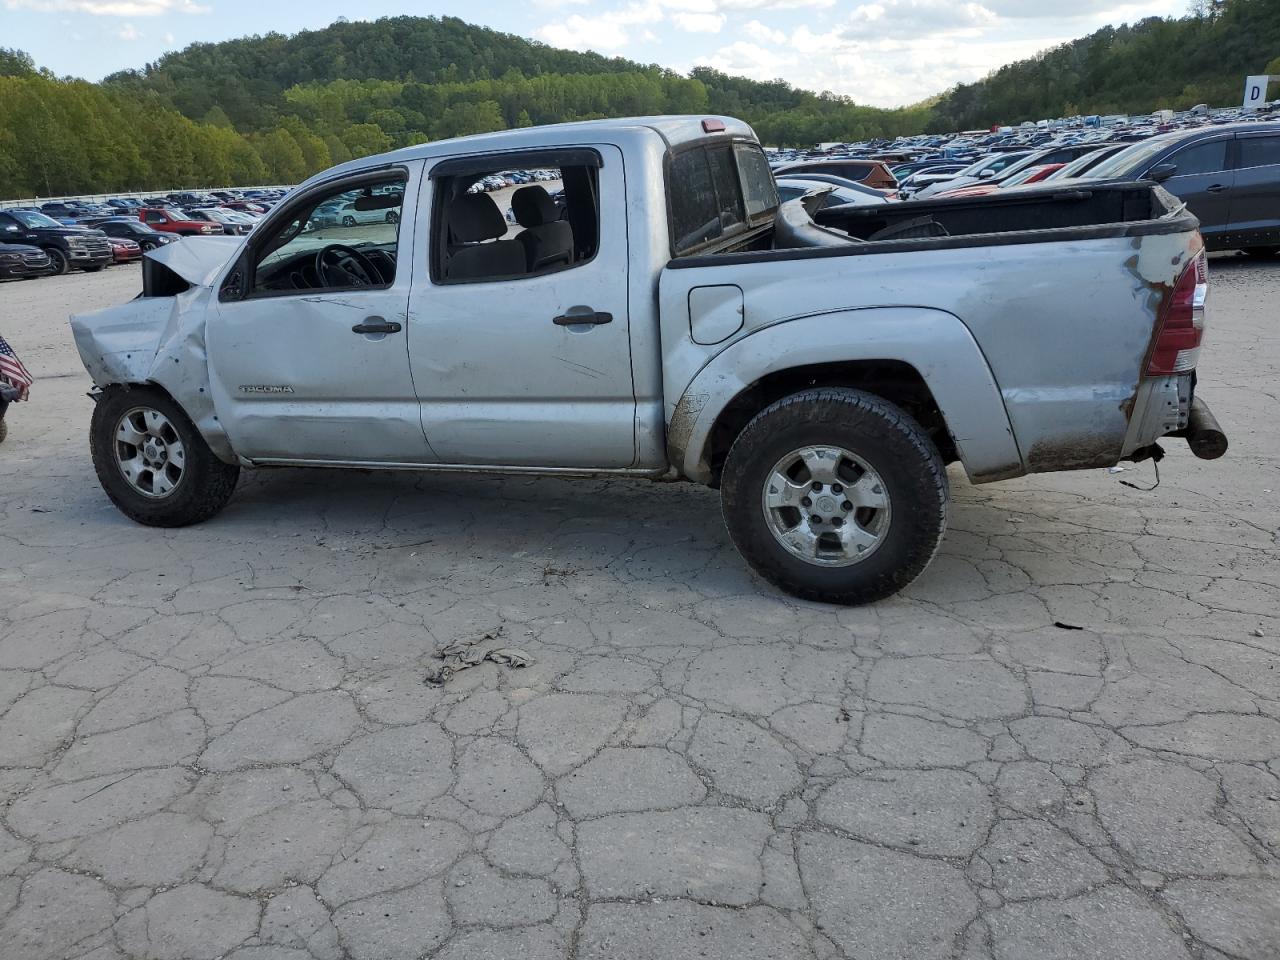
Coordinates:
[519,339]
[1255,201]
[1204,179]
[308,353]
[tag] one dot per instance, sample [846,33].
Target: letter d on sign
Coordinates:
[1255,92]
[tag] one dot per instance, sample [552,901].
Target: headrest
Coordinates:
[474,217]
[533,206]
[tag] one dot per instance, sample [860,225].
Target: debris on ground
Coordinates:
[468,652]
[1066,626]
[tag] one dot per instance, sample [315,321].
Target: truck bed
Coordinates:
[1039,215]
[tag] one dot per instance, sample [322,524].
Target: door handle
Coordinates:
[1216,188]
[376,325]
[575,316]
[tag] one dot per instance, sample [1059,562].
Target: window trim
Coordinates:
[482,164]
[246,264]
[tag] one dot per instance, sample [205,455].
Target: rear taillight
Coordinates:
[1181,325]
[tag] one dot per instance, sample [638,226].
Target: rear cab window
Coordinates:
[718,192]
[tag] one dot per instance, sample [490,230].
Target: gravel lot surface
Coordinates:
[217,742]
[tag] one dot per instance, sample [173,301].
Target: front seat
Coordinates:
[547,240]
[474,219]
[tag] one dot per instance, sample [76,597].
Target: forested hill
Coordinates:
[275,109]
[420,78]
[1154,64]
[242,76]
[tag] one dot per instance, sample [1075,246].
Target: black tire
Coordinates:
[348,221]
[206,483]
[61,264]
[393,217]
[875,431]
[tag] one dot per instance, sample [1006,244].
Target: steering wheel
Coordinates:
[338,265]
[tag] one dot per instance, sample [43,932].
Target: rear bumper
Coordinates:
[1169,407]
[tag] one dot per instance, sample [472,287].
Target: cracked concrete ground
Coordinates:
[216,742]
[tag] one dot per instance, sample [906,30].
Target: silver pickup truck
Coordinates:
[646,308]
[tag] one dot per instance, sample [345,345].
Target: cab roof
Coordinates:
[673,129]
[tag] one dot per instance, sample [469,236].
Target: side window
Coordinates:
[1201,158]
[1259,151]
[154,216]
[345,239]
[507,224]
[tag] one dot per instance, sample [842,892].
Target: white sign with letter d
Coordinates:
[1255,92]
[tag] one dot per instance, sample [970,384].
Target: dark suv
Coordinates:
[1228,175]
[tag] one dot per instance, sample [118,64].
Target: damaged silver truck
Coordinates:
[653,312]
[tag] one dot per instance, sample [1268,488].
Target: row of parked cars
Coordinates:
[60,236]
[1226,170]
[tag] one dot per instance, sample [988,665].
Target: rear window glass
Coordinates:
[1259,151]
[758,189]
[716,191]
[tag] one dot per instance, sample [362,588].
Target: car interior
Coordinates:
[547,228]
[311,254]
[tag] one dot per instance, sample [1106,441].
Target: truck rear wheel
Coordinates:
[835,495]
[153,463]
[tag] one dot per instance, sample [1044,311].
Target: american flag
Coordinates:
[12,371]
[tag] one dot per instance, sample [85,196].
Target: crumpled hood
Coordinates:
[198,260]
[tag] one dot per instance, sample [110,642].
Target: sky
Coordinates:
[879,52]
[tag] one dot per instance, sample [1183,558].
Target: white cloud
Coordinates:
[698,22]
[608,31]
[128,32]
[758,31]
[111,8]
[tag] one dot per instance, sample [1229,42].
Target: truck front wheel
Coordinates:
[835,495]
[153,463]
[61,264]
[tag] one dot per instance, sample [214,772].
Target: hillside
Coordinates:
[1154,64]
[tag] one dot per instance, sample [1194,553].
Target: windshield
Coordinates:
[33,221]
[1130,161]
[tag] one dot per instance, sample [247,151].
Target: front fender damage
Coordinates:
[159,340]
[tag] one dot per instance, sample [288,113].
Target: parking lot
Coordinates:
[1061,743]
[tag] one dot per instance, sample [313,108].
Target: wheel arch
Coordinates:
[925,361]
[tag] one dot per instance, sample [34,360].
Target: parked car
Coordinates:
[172,220]
[1083,164]
[789,188]
[1228,175]
[677,322]
[221,219]
[124,250]
[1063,154]
[1028,175]
[872,173]
[135,230]
[349,214]
[869,192]
[65,246]
[982,169]
[22,261]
